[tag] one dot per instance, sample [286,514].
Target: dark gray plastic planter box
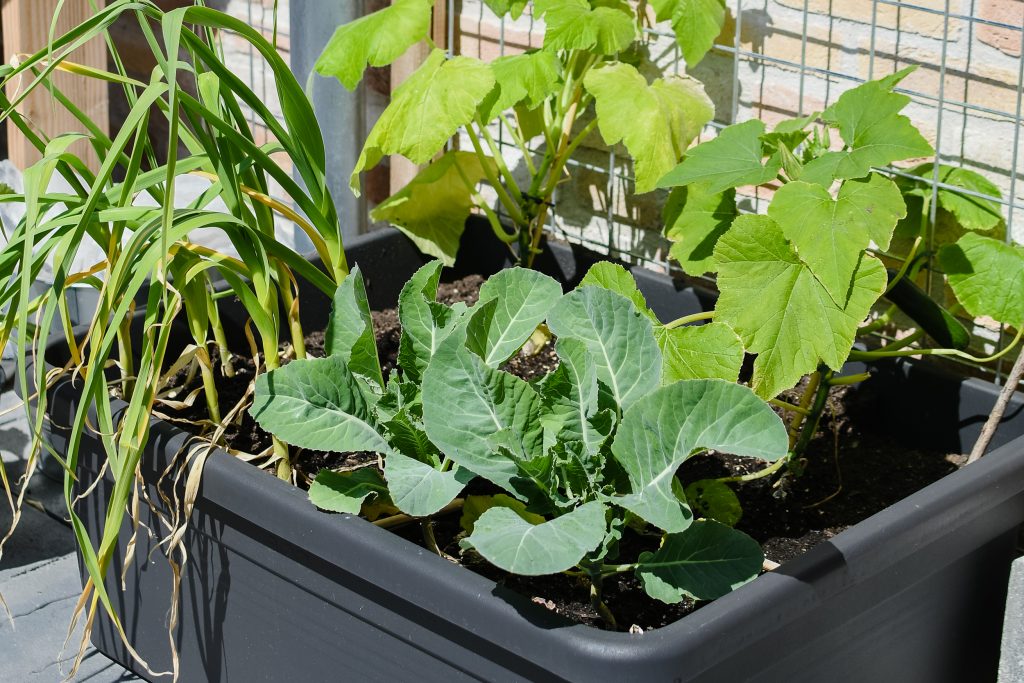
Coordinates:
[275,590]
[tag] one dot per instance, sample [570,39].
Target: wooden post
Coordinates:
[403,170]
[26,29]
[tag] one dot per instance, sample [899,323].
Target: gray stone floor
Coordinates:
[39,577]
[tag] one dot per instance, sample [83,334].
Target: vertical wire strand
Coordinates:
[933,208]
[803,60]
[874,40]
[736,63]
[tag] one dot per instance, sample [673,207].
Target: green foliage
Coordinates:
[714,499]
[433,207]
[576,25]
[830,234]
[374,40]
[732,159]
[705,563]
[797,284]
[669,425]
[694,220]
[546,102]
[712,351]
[696,23]
[576,453]
[656,122]
[426,110]
[874,131]
[781,310]
[987,276]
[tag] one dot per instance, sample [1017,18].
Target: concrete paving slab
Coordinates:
[39,576]
[40,597]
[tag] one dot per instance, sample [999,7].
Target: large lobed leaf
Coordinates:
[873,129]
[433,207]
[696,24]
[619,337]
[502,7]
[375,40]
[712,351]
[614,277]
[575,25]
[656,122]
[669,425]
[987,276]
[694,220]
[781,310]
[830,234]
[527,78]
[730,160]
[426,110]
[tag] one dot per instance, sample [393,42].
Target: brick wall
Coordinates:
[853,39]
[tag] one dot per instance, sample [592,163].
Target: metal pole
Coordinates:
[342,114]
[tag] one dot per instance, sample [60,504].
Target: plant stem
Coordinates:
[499,160]
[805,403]
[879,322]
[513,132]
[753,476]
[284,462]
[209,383]
[786,405]
[595,576]
[220,338]
[816,410]
[126,355]
[994,418]
[291,305]
[887,352]
[846,380]
[687,319]
[511,206]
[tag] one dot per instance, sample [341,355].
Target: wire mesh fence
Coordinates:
[778,59]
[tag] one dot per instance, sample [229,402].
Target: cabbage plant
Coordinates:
[582,453]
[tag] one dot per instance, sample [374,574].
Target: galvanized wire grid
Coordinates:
[622,238]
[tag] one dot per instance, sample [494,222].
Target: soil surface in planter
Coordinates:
[850,473]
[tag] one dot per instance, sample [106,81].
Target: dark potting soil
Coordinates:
[849,473]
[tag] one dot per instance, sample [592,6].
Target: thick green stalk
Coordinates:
[817,409]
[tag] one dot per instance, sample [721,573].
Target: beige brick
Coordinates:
[891,17]
[1004,11]
[482,39]
[772,102]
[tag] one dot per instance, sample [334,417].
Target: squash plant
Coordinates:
[583,78]
[798,283]
[581,454]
